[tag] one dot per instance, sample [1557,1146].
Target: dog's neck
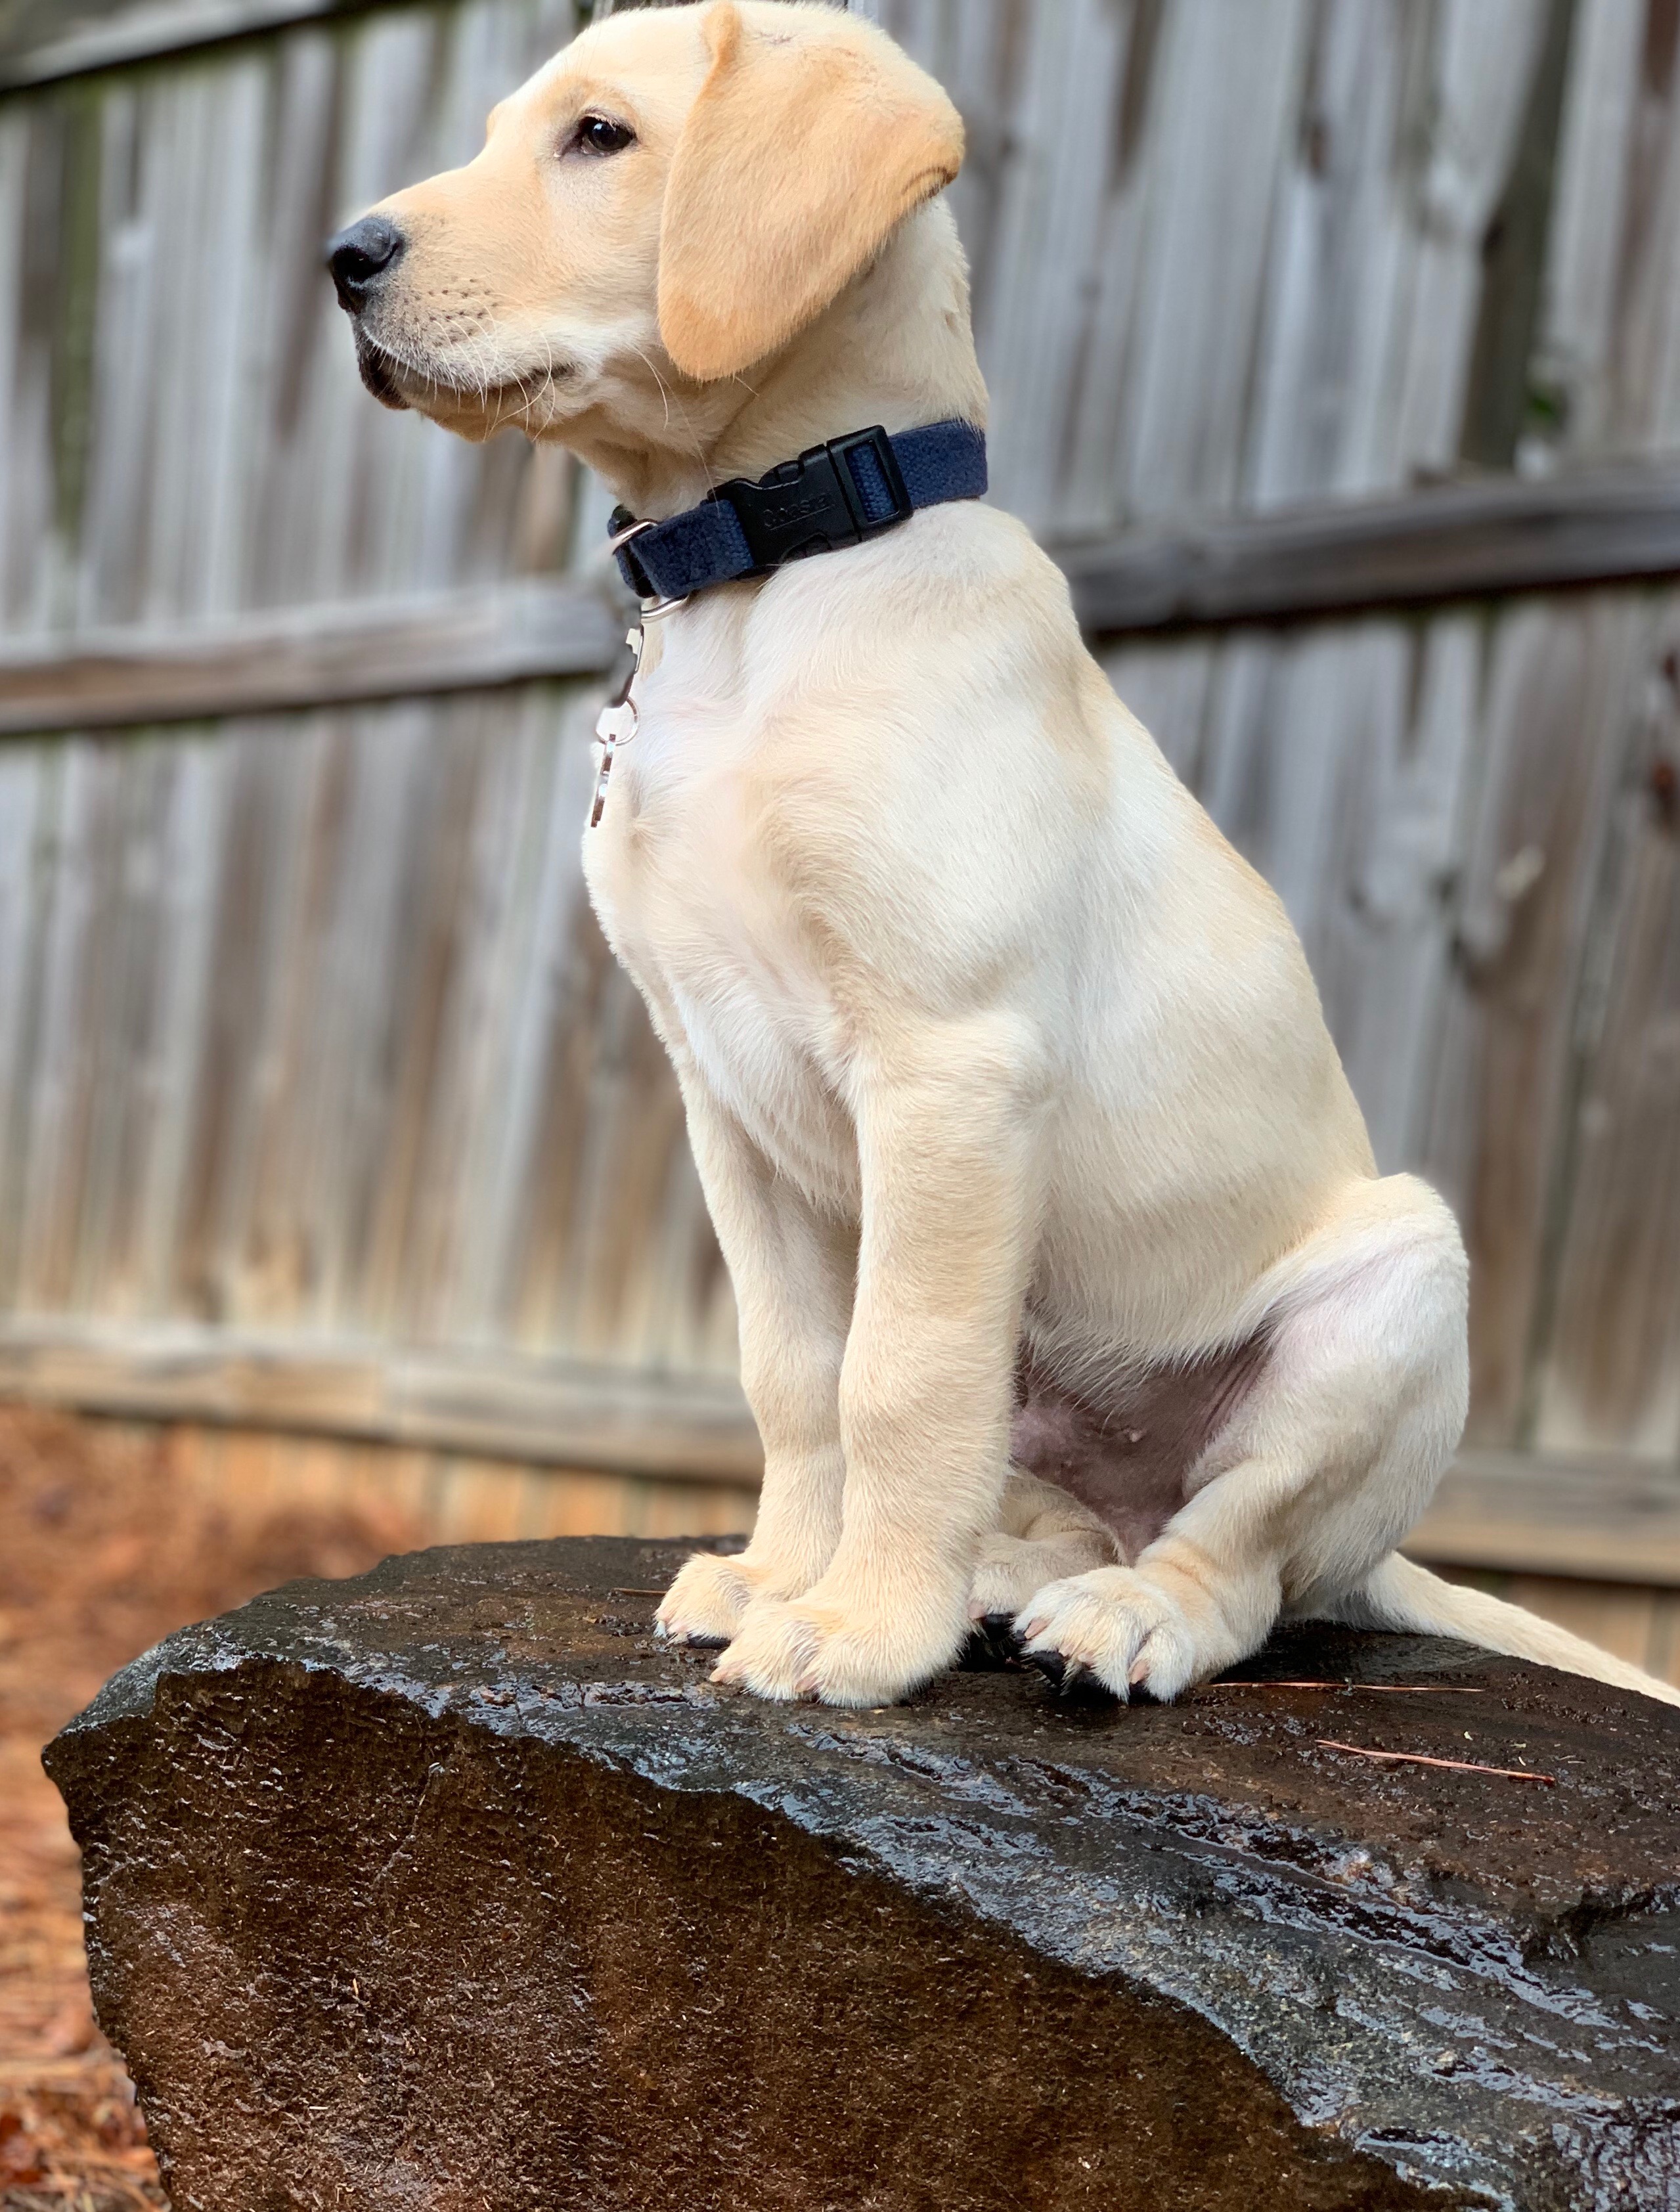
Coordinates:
[896,347]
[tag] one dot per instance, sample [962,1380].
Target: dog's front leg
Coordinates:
[948,1144]
[793,1272]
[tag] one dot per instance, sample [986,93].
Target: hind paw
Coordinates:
[1010,1570]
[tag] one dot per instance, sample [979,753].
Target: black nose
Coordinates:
[358,257]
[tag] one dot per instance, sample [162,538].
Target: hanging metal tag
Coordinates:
[616,725]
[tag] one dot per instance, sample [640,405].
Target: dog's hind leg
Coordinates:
[1331,1457]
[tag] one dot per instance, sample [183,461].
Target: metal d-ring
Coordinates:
[651,610]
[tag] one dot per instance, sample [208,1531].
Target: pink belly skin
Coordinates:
[1127,1452]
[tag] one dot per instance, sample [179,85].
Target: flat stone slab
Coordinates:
[449,1887]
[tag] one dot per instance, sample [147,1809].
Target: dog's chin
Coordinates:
[475,413]
[379,375]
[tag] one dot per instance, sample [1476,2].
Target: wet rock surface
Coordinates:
[449,1887]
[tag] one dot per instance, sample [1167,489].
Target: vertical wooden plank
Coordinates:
[27,792]
[1342,252]
[258,865]
[330,1038]
[190,842]
[1575,358]
[1554,728]
[120,1017]
[1089,493]
[1611,1377]
[60,1099]
[36,563]
[523,857]
[1227,89]
[538,1001]
[1487,53]
[437,931]
[1050,210]
[14,119]
[362,533]
[1644,344]
[186,135]
[123,456]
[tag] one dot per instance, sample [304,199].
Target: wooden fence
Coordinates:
[1335,348]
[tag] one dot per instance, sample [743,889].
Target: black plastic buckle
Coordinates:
[812,505]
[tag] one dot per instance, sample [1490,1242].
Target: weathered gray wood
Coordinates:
[39,46]
[185,436]
[1616,1519]
[1465,542]
[1602,1518]
[1609,363]
[311,657]
[312,1029]
[1610,1365]
[1451,542]
[1551,748]
[561,1412]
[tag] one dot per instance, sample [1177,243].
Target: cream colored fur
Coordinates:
[975,1013]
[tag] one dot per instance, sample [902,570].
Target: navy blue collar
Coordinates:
[835,495]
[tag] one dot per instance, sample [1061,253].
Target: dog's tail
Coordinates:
[1397,1593]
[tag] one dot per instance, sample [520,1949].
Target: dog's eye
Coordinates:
[600,134]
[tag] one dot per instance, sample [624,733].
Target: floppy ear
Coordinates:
[804,149]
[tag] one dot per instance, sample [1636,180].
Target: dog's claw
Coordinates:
[1069,1678]
[992,1643]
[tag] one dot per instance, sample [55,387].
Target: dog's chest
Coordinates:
[691,908]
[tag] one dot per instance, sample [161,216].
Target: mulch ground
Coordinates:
[104,1548]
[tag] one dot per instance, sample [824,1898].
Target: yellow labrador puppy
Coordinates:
[1068,1290]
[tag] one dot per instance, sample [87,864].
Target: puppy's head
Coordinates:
[680,192]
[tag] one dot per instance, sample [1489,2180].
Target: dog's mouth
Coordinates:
[402,384]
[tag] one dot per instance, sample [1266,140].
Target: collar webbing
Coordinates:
[833,496]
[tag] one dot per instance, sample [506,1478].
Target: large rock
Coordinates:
[449,1888]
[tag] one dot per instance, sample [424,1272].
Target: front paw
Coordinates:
[842,1654]
[707,1601]
[1120,1627]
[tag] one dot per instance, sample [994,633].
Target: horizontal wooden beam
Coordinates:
[1611,1519]
[497,1405]
[121,31]
[43,52]
[1461,542]
[1468,541]
[310,657]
